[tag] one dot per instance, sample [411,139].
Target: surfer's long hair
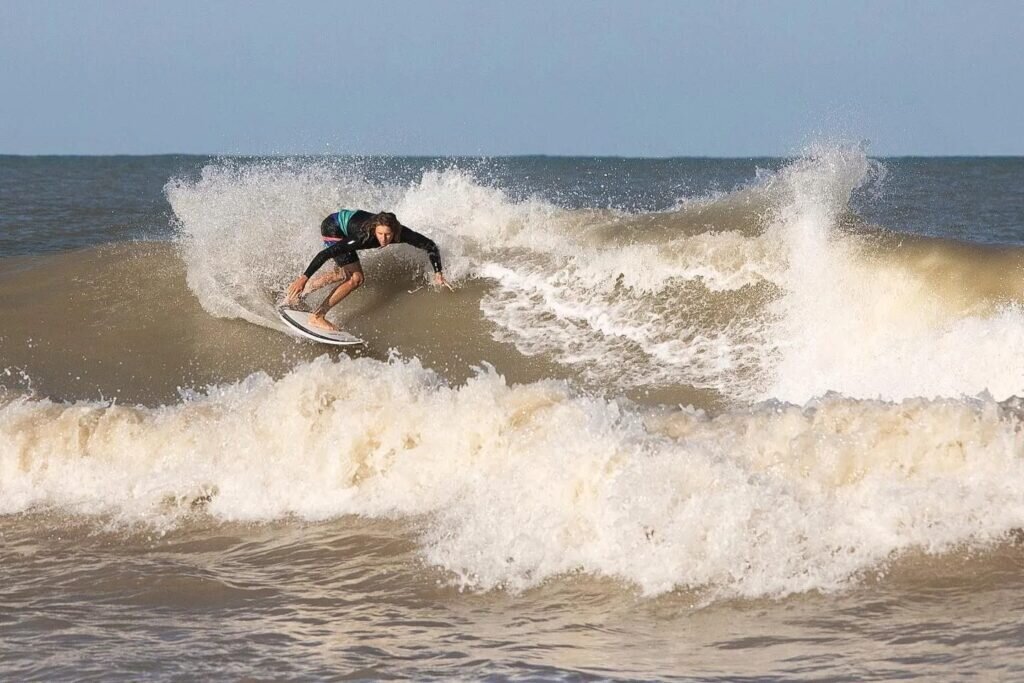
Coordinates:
[388,219]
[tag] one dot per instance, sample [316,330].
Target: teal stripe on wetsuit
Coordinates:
[344,216]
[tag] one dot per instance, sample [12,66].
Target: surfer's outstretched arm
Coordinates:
[413,238]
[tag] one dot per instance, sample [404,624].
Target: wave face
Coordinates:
[771,291]
[521,483]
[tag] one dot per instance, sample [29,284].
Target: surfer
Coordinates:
[344,233]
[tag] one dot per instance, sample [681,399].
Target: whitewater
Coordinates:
[523,483]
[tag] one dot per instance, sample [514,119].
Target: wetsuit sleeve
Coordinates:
[336,249]
[411,237]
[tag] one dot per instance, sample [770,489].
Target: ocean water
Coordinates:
[695,419]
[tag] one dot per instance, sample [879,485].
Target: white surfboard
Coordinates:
[298,323]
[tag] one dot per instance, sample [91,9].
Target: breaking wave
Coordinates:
[772,291]
[517,484]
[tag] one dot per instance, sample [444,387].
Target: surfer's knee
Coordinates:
[356,279]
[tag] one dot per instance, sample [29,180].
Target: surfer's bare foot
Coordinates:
[320,322]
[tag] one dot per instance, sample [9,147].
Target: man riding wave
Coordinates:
[345,233]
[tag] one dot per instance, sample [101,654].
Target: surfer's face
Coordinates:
[384,235]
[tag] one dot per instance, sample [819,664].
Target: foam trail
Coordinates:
[523,483]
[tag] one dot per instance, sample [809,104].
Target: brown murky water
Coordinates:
[351,598]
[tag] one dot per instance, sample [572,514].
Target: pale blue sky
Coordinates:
[642,78]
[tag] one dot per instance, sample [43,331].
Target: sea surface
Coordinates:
[687,419]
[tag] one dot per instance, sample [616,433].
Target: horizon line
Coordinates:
[285,155]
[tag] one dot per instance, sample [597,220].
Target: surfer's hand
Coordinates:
[296,287]
[441,282]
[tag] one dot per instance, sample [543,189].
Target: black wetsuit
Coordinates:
[346,232]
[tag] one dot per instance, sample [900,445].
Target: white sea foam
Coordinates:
[522,483]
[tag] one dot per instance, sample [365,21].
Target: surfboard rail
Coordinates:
[298,323]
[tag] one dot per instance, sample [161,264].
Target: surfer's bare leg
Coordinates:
[353,278]
[323,279]
[331,277]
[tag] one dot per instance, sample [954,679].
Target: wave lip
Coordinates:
[518,484]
